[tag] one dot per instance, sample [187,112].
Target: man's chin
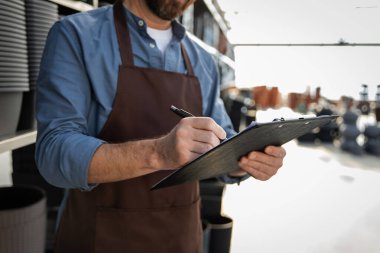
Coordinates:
[168,9]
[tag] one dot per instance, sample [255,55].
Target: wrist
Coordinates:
[155,159]
[144,151]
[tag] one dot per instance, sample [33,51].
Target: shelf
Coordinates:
[75,5]
[217,17]
[18,140]
[212,50]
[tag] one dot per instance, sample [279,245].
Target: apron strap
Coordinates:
[122,34]
[187,61]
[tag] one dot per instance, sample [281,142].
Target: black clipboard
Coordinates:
[224,157]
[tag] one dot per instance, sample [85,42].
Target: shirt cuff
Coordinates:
[85,185]
[77,161]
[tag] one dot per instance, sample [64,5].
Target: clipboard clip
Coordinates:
[279,119]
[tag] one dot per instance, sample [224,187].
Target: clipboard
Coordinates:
[224,157]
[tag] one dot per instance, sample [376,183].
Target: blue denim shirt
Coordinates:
[77,85]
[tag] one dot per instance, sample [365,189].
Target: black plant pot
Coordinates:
[377,112]
[211,195]
[212,187]
[206,235]
[220,234]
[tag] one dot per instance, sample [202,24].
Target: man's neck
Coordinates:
[140,9]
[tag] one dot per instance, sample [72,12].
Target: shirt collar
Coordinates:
[139,24]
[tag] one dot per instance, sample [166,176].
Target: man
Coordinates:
[107,80]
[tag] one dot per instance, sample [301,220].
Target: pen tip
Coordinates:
[172,107]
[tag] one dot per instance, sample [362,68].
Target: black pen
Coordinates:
[180,112]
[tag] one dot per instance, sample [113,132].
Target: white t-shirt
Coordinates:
[162,37]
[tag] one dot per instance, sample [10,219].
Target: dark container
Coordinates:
[377,112]
[211,196]
[220,234]
[218,238]
[206,235]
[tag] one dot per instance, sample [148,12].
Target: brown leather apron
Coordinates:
[126,216]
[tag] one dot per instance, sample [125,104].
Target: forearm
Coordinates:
[116,162]
[190,138]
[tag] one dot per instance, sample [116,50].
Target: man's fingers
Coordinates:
[263,165]
[207,137]
[258,174]
[200,147]
[192,137]
[208,124]
[279,152]
[256,167]
[257,157]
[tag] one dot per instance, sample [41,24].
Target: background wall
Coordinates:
[338,70]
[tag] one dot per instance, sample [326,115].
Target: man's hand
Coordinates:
[191,137]
[261,165]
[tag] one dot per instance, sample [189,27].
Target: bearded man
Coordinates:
[105,132]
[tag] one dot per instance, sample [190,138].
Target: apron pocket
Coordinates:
[172,229]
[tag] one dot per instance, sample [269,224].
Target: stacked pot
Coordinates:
[24,26]
[40,16]
[14,78]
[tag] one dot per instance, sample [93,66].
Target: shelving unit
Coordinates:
[217,17]
[24,138]
[18,140]
[75,5]
[213,51]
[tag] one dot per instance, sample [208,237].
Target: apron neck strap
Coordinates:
[187,60]
[124,40]
[122,34]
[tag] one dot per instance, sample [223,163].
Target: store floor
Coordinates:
[322,201]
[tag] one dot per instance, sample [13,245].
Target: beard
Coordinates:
[167,9]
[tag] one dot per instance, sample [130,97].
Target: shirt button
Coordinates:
[152,45]
[141,23]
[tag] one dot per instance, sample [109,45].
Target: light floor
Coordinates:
[322,201]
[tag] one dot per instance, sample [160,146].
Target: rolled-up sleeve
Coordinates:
[64,148]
